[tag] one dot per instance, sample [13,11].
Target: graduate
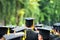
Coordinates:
[31,34]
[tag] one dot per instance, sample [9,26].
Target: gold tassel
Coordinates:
[25,33]
[8,32]
[33,26]
[24,37]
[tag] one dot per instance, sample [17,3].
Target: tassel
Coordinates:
[24,37]
[8,32]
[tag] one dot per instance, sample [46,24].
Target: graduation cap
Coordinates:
[5,30]
[14,36]
[29,22]
[45,32]
[56,26]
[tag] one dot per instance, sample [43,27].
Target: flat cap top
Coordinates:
[57,24]
[19,28]
[45,28]
[29,18]
[13,35]
[6,27]
[38,25]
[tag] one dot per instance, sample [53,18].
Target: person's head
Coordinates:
[29,22]
[44,32]
[56,28]
[40,37]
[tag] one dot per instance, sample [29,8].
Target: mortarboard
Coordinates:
[4,29]
[29,22]
[45,32]
[56,26]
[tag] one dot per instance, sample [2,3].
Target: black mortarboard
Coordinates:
[4,30]
[45,32]
[56,26]
[29,22]
[14,36]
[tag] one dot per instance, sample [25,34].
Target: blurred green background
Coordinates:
[44,11]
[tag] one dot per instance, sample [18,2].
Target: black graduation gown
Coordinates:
[31,35]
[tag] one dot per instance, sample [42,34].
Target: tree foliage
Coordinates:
[44,11]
